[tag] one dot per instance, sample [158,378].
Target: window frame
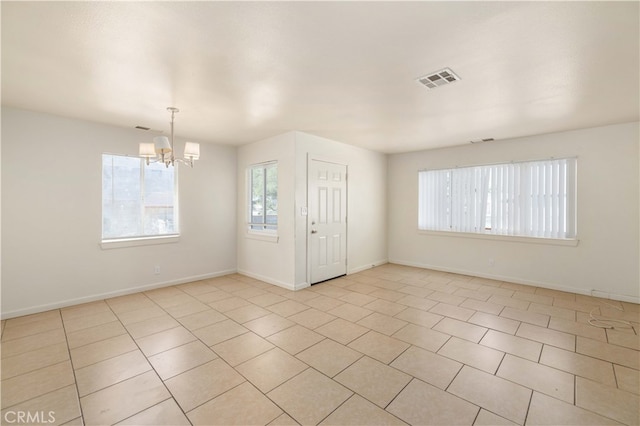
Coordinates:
[143,239]
[516,234]
[263,228]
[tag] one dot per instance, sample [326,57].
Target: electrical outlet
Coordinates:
[156,269]
[492,262]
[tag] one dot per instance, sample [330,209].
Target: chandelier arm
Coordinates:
[184,161]
[192,150]
[173,113]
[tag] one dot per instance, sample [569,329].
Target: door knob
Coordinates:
[313,231]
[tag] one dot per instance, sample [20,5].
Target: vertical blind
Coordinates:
[534,198]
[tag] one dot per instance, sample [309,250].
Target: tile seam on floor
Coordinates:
[322,294]
[137,375]
[73,371]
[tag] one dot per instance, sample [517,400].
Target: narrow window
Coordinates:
[263,197]
[138,200]
[534,198]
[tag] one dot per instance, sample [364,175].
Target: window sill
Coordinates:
[269,236]
[567,242]
[138,242]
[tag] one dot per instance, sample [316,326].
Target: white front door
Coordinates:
[327,220]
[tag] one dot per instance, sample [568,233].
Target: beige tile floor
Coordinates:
[390,345]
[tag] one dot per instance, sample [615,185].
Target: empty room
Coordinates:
[336,213]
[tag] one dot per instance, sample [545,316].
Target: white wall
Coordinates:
[285,262]
[51,216]
[270,261]
[366,204]
[606,259]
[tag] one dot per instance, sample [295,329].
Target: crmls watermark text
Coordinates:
[18,417]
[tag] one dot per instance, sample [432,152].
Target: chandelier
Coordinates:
[162,149]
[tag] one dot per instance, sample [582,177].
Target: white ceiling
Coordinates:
[245,71]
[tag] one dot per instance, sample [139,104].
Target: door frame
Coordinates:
[311,158]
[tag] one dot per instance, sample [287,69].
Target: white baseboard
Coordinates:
[516,280]
[269,280]
[620,297]
[367,266]
[302,285]
[108,295]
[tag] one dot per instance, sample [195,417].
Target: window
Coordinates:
[534,199]
[263,197]
[138,200]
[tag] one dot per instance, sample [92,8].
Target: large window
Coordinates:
[263,197]
[534,199]
[138,200]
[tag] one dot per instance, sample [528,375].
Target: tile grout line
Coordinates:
[73,370]
[335,296]
[148,362]
[198,339]
[526,415]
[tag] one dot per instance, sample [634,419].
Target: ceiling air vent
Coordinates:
[438,78]
[143,128]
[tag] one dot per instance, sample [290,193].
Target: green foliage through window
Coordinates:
[263,203]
